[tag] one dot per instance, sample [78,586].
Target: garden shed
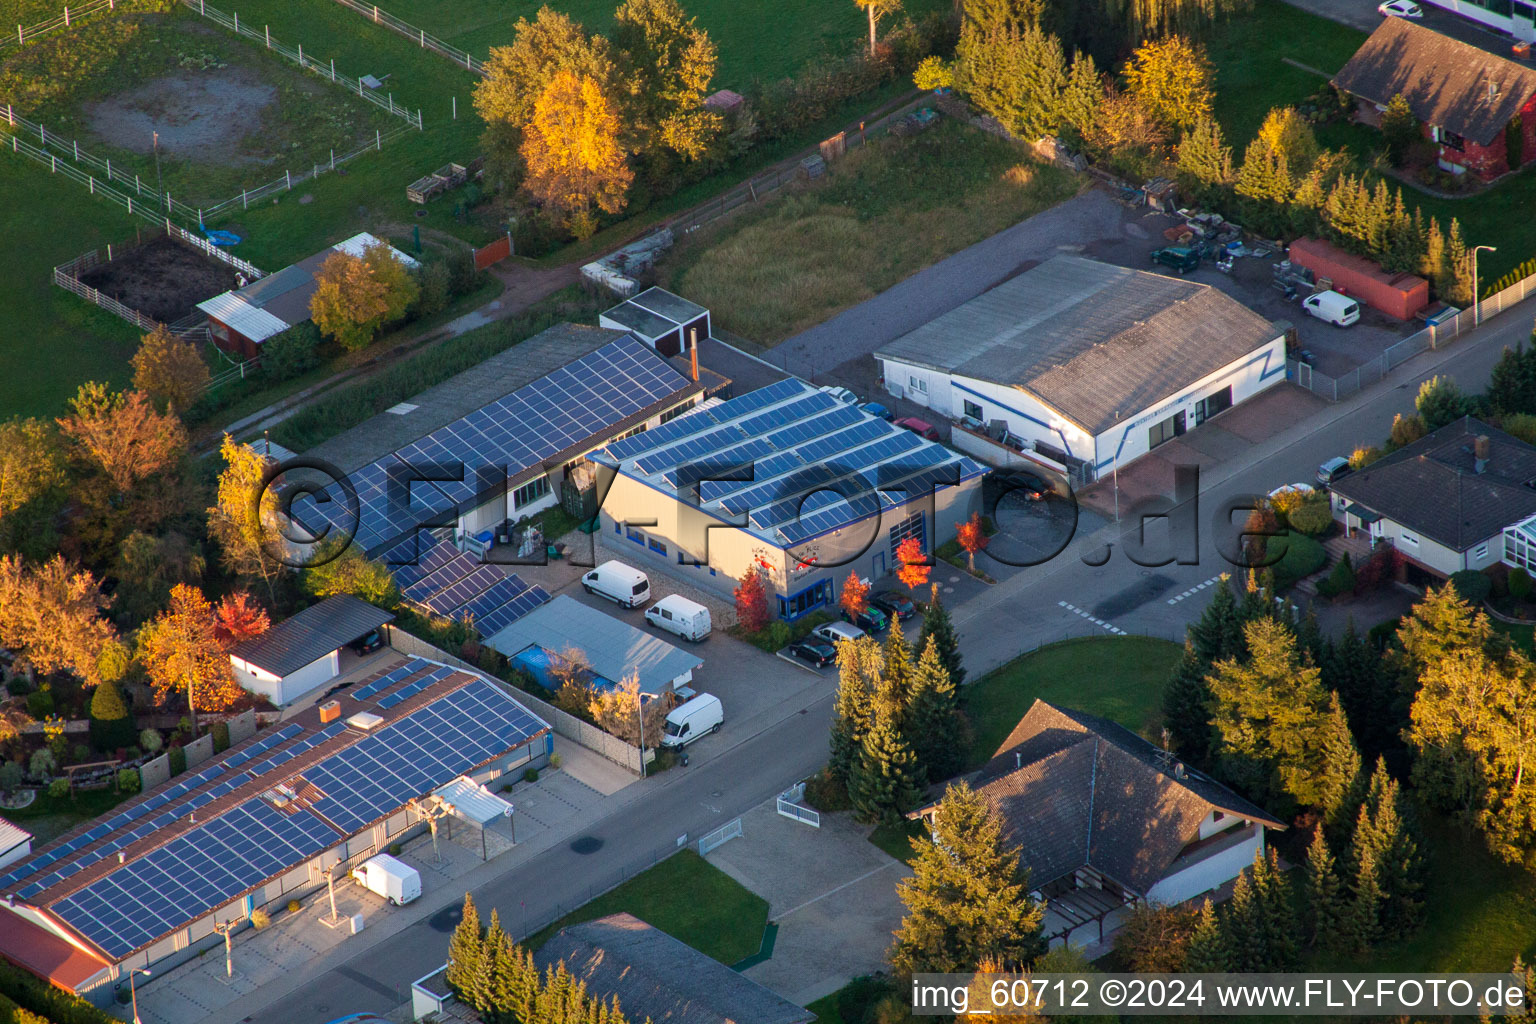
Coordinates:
[303,652]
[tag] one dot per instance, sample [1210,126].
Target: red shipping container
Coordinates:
[1397,295]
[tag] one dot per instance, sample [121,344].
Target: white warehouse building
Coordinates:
[788,478]
[1090,364]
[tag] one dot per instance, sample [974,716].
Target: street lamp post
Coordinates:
[133,993]
[225,928]
[1477,302]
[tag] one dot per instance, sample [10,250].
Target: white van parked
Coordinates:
[397,882]
[676,614]
[1339,310]
[619,583]
[687,722]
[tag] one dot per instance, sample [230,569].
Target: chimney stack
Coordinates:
[693,355]
[1018,759]
[1481,449]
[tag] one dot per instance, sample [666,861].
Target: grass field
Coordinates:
[1119,678]
[47,818]
[884,212]
[757,39]
[689,899]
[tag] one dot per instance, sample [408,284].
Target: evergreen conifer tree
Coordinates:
[111,725]
[887,781]
[1242,925]
[936,624]
[467,968]
[1207,952]
[967,900]
[1323,894]
[893,694]
[1387,829]
[1042,69]
[1506,385]
[1187,708]
[936,729]
[1432,264]
[1278,904]
[1361,925]
[1339,772]
[1204,159]
[859,665]
[1457,268]
[1082,96]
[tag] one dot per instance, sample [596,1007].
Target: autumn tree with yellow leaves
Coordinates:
[183,655]
[574,153]
[356,296]
[169,369]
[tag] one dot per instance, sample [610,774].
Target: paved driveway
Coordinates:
[831,892]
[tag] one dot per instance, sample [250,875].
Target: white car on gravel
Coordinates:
[1400,9]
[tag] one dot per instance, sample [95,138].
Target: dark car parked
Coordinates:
[368,644]
[871,620]
[1026,484]
[816,652]
[896,606]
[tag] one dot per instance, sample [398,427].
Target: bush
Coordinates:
[47,1001]
[111,724]
[129,781]
[17,686]
[10,777]
[1407,429]
[178,758]
[42,766]
[555,761]
[58,789]
[40,704]
[260,919]
[1363,456]
[1312,516]
[220,737]
[294,906]
[1380,567]
[825,792]
[531,775]
[436,286]
[151,741]
[1340,581]
[463,278]
[292,353]
[394,849]
[1473,586]
[1519,584]
[490,661]
[1302,556]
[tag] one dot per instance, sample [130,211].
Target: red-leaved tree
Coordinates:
[912,566]
[855,596]
[752,599]
[238,618]
[972,537]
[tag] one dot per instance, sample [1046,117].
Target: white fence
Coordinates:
[324,70]
[720,836]
[71,15]
[789,806]
[1435,336]
[427,42]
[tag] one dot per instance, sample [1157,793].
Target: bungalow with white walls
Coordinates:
[1093,365]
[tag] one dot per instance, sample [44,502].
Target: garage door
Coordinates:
[912,526]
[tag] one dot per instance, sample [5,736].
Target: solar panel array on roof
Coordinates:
[816,464]
[468,590]
[166,888]
[581,400]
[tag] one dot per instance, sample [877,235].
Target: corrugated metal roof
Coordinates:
[355,245]
[473,801]
[311,634]
[11,836]
[614,649]
[242,317]
[1097,343]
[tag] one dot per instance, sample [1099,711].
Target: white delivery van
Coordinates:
[687,722]
[395,881]
[619,583]
[1339,310]
[676,614]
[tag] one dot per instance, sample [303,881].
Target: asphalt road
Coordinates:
[691,800]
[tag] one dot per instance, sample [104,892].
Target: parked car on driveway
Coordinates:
[1400,9]
[896,606]
[1332,470]
[814,652]
[368,643]
[870,620]
[841,394]
[1336,309]
[920,427]
[836,632]
[1026,484]
[1179,258]
[876,409]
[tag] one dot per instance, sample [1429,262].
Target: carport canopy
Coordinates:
[473,802]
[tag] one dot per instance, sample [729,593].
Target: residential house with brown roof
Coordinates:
[1471,103]
[1103,820]
[1445,501]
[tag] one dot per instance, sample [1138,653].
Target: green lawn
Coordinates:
[1119,678]
[689,899]
[884,212]
[48,818]
[757,39]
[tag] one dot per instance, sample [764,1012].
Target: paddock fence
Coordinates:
[71,17]
[1432,337]
[297,55]
[419,35]
[100,176]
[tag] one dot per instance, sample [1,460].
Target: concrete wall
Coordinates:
[1421,549]
[1207,873]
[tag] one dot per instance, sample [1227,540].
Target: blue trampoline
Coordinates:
[535,660]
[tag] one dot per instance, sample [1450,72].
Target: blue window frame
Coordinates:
[808,600]
[635,535]
[656,546]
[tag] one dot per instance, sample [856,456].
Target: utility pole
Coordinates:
[225,928]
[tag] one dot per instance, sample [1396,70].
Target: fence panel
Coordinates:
[789,806]
[70,16]
[460,57]
[720,836]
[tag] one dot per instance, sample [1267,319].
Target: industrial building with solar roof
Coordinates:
[1088,364]
[788,478]
[261,823]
